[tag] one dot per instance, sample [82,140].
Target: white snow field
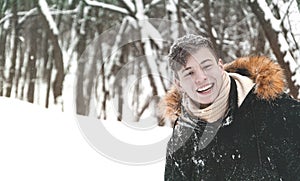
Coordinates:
[42,144]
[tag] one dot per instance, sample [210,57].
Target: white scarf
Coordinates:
[219,107]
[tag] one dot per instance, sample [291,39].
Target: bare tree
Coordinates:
[276,36]
[81,103]
[32,58]
[57,52]
[48,66]
[209,26]
[19,72]
[14,49]
[3,39]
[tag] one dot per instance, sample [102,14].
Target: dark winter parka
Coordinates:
[260,140]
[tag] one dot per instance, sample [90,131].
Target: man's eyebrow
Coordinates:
[203,62]
[185,69]
[206,60]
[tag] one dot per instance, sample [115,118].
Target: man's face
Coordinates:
[201,78]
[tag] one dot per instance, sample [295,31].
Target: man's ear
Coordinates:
[220,63]
[177,84]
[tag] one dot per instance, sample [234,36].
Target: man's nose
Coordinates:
[200,76]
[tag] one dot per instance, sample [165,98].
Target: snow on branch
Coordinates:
[152,3]
[130,5]
[287,41]
[29,13]
[148,31]
[269,15]
[196,22]
[5,18]
[34,11]
[107,6]
[46,12]
[140,11]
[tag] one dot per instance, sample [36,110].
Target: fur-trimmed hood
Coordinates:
[267,75]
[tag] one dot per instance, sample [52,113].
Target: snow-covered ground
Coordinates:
[42,144]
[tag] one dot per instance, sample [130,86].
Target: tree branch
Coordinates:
[107,6]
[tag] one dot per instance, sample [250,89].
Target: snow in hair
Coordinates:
[185,46]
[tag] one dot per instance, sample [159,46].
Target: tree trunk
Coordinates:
[2,59]
[136,100]
[49,75]
[15,31]
[272,37]
[120,101]
[91,74]
[209,25]
[105,94]
[120,83]
[151,80]
[45,53]
[19,72]
[104,91]
[48,66]
[24,82]
[59,65]
[179,18]
[60,4]
[80,100]
[3,37]
[161,78]
[32,63]
[58,59]
[260,43]
[102,102]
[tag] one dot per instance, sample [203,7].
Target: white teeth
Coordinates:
[205,88]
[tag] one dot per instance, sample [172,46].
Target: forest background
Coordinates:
[93,56]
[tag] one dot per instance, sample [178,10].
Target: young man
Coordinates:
[236,124]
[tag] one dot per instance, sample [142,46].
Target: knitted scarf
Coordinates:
[219,107]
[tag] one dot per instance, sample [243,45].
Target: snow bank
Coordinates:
[41,144]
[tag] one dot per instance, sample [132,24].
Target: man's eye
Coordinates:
[207,67]
[189,73]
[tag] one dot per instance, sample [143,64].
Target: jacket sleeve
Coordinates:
[176,161]
[286,131]
[169,166]
[293,142]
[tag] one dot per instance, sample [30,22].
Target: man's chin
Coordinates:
[202,104]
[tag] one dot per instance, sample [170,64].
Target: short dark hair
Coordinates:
[183,47]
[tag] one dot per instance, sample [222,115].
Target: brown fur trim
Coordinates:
[169,106]
[267,75]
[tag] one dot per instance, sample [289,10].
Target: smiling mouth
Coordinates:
[205,89]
